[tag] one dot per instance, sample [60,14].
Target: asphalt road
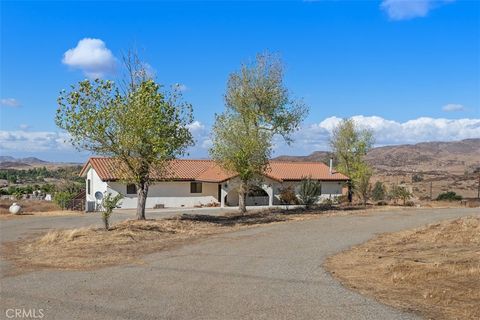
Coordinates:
[269,272]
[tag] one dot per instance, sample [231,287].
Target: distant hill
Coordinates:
[9,162]
[445,166]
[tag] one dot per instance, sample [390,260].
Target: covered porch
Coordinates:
[262,195]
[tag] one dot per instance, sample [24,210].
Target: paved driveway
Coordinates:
[270,272]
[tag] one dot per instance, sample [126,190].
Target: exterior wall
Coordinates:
[170,194]
[96,184]
[330,190]
[177,194]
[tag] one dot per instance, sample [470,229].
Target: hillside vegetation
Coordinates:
[443,166]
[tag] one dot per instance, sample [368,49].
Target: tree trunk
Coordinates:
[142,193]
[242,197]
[349,192]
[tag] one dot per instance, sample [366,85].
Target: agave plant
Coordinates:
[309,191]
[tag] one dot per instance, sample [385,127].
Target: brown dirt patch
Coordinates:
[434,270]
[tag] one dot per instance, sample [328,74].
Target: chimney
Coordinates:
[331,165]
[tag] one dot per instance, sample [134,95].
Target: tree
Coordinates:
[63,199]
[309,191]
[109,203]
[258,107]
[378,192]
[363,187]
[350,145]
[404,194]
[399,192]
[140,124]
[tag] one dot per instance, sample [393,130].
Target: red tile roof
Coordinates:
[110,169]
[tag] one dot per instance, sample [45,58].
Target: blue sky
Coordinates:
[410,70]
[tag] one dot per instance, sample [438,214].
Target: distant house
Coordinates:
[192,183]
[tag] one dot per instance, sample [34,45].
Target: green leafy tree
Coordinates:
[63,199]
[350,144]
[309,192]
[139,124]
[400,192]
[109,203]
[404,194]
[378,191]
[363,187]
[258,107]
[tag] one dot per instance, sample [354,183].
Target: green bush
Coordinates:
[109,203]
[449,196]
[63,198]
[309,192]
[378,192]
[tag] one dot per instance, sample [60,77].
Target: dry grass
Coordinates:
[126,242]
[29,206]
[434,270]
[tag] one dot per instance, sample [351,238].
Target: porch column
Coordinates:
[269,190]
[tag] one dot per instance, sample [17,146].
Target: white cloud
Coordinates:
[10,102]
[409,9]
[24,126]
[201,135]
[387,132]
[451,107]
[310,138]
[92,57]
[33,141]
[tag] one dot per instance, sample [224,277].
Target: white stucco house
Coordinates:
[193,183]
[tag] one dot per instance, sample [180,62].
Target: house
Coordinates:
[191,183]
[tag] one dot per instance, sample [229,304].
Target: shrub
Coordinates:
[378,192]
[449,196]
[63,199]
[342,199]
[288,196]
[327,203]
[400,192]
[309,191]
[417,177]
[109,203]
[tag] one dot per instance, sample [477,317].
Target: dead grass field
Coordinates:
[33,207]
[29,206]
[128,241]
[433,270]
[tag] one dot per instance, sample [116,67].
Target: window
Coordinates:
[88,186]
[195,187]
[131,189]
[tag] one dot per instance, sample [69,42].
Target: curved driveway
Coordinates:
[269,272]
